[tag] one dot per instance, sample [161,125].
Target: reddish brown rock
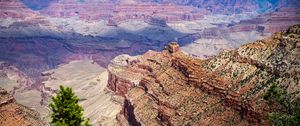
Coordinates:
[172,47]
[14,9]
[121,12]
[13,114]
[271,22]
[174,89]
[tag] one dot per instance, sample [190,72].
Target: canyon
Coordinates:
[89,44]
[88,80]
[49,37]
[171,88]
[13,113]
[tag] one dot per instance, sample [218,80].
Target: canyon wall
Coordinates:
[35,39]
[118,11]
[122,12]
[170,88]
[230,6]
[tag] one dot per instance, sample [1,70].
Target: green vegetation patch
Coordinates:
[289,112]
[66,110]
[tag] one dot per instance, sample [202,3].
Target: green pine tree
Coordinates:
[66,110]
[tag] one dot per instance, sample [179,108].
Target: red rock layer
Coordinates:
[13,114]
[121,12]
[14,9]
[272,22]
[170,88]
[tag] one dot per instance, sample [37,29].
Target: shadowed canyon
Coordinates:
[148,62]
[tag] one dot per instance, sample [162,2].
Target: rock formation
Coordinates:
[14,114]
[171,88]
[12,78]
[121,12]
[35,39]
[229,6]
[88,80]
[14,9]
[20,87]
[275,21]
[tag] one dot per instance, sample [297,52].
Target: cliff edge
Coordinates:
[14,114]
[171,88]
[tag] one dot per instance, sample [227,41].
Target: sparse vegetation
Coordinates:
[246,80]
[213,66]
[288,113]
[66,110]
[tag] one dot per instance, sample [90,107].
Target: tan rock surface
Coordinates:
[18,85]
[88,80]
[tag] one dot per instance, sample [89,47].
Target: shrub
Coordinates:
[289,115]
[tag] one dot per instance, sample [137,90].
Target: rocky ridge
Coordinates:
[14,114]
[170,88]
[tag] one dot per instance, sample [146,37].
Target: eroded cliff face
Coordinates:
[170,88]
[19,87]
[68,30]
[34,40]
[170,10]
[14,114]
[12,78]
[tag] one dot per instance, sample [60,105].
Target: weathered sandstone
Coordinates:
[170,88]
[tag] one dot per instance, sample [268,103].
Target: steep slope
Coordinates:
[14,9]
[214,6]
[274,59]
[170,88]
[20,86]
[14,114]
[88,80]
[55,32]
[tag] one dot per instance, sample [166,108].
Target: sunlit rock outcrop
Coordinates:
[171,88]
[13,114]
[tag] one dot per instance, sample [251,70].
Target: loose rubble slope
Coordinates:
[14,114]
[88,80]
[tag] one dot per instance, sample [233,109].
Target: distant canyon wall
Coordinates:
[168,10]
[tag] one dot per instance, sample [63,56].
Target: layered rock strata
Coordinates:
[170,88]
[122,12]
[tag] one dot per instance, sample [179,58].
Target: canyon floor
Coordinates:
[88,80]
